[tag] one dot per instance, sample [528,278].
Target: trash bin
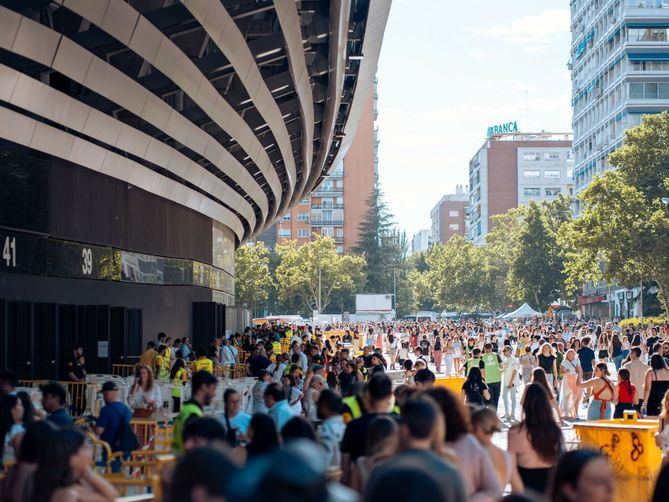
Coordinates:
[634,457]
[451,382]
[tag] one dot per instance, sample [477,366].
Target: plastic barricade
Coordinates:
[453,383]
[632,452]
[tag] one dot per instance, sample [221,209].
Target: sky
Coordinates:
[448,70]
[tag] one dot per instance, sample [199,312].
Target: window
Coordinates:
[531,156]
[636,91]
[552,192]
[303,232]
[650,91]
[453,214]
[286,217]
[302,216]
[454,226]
[305,201]
[284,233]
[552,174]
[340,249]
[532,192]
[552,156]
[327,231]
[531,174]
[340,232]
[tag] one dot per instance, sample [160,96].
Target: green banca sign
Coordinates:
[508,128]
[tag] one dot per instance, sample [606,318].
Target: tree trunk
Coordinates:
[536,301]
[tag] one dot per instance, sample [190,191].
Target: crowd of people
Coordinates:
[354,412]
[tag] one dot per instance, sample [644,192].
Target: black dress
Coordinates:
[658,388]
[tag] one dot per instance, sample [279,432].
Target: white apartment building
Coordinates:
[620,71]
[422,240]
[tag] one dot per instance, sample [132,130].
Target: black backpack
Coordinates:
[126,437]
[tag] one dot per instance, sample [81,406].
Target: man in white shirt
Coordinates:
[277,369]
[303,362]
[637,369]
[226,355]
[509,381]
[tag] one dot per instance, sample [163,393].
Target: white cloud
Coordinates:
[537,30]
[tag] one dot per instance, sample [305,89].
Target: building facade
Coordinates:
[512,169]
[422,241]
[449,216]
[338,206]
[142,141]
[620,71]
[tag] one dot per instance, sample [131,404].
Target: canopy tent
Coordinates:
[523,311]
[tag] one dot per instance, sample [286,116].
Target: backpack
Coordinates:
[127,439]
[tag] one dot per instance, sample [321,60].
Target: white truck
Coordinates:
[374,307]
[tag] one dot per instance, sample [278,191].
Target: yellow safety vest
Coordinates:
[354,406]
[204,363]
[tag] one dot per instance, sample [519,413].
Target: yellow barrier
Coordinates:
[123,370]
[633,454]
[453,383]
[76,392]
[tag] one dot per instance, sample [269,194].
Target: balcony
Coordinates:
[327,192]
[327,206]
[327,223]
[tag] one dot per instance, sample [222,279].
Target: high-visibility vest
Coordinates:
[204,363]
[188,410]
[353,406]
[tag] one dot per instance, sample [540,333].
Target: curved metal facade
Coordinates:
[142,141]
[233,108]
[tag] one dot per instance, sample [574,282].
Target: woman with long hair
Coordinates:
[178,378]
[603,393]
[536,442]
[144,398]
[616,350]
[626,393]
[476,467]
[64,471]
[474,390]
[539,377]
[570,394]
[582,475]
[383,442]
[657,385]
[11,427]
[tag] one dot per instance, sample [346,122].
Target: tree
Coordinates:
[253,281]
[313,272]
[537,275]
[376,242]
[622,233]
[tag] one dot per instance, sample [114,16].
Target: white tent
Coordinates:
[523,311]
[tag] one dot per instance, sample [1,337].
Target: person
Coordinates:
[8,383]
[437,354]
[186,349]
[662,435]
[570,393]
[227,356]
[582,475]
[17,485]
[75,367]
[474,390]
[257,402]
[510,380]
[293,393]
[147,357]
[203,363]
[419,422]
[298,428]
[526,364]
[539,377]
[376,365]
[493,374]
[378,397]
[204,432]
[64,471]
[257,363]
[548,361]
[603,391]
[203,390]
[178,378]
[277,405]
[161,363]
[536,442]
[484,425]
[331,431]
[626,391]
[235,421]
[112,415]
[263,436]
[424,379]
[382,443]
[409,371]
[316,386]
[586,357]
[202,474]
[656,386]
[12,427]
[475,466]
[53,402]
[144,397]
[474,362]
[277,369]
[638,370]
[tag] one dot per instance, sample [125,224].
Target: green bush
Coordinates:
[635,322]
